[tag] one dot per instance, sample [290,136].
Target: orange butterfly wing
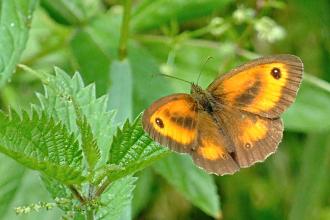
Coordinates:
[213,149]
[254,137]
[265,86]
[172,121]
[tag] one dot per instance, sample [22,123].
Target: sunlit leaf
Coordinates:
[62,91]
[38,142]
[133,150]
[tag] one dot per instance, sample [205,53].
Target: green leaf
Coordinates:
[153,14]
[133,150]
[9,182]
[31,191]
[143,192]
[93,41]
[313,180]
[15,20]
[61,90]
[311,107]
[196,185]
[144,66]
[58,190]
[41,144]
[84,48]
[89,144]
[121,91]
[116,198]
[72,12]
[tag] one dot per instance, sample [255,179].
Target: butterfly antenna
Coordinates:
[200,73]
[173,77]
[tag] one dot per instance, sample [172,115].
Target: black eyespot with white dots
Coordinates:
[276,73]
[159,122]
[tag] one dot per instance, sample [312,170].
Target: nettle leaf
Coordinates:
[89,144]
[133,150]
[56,189]
[62,93]
[42,144]
[116,198]
[15,19]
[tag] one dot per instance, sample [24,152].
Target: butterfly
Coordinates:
[235,122]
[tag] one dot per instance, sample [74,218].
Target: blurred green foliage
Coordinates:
[177,37]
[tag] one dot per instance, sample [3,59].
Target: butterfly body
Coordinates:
[235,122]
[204,100]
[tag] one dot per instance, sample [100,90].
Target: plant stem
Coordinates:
[77,194]
[90,214]
[124,30]
[103,187]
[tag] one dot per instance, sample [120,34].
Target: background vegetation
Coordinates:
[121,46]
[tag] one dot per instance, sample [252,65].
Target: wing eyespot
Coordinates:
[276,73]
[248,146]
[159,122]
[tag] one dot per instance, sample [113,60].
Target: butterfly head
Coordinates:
[202,97]
[196,89]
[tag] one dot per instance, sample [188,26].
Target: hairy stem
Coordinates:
[125,30]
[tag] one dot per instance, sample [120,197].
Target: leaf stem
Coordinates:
[77,194]
[125,30]
[103,187]
[90,214]
[42,76]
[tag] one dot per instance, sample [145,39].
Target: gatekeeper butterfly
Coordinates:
[235,122]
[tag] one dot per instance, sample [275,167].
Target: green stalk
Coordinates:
[90,214]
[125,30]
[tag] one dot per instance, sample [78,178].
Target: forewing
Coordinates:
[212,151]
[172,121]
[265,86]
